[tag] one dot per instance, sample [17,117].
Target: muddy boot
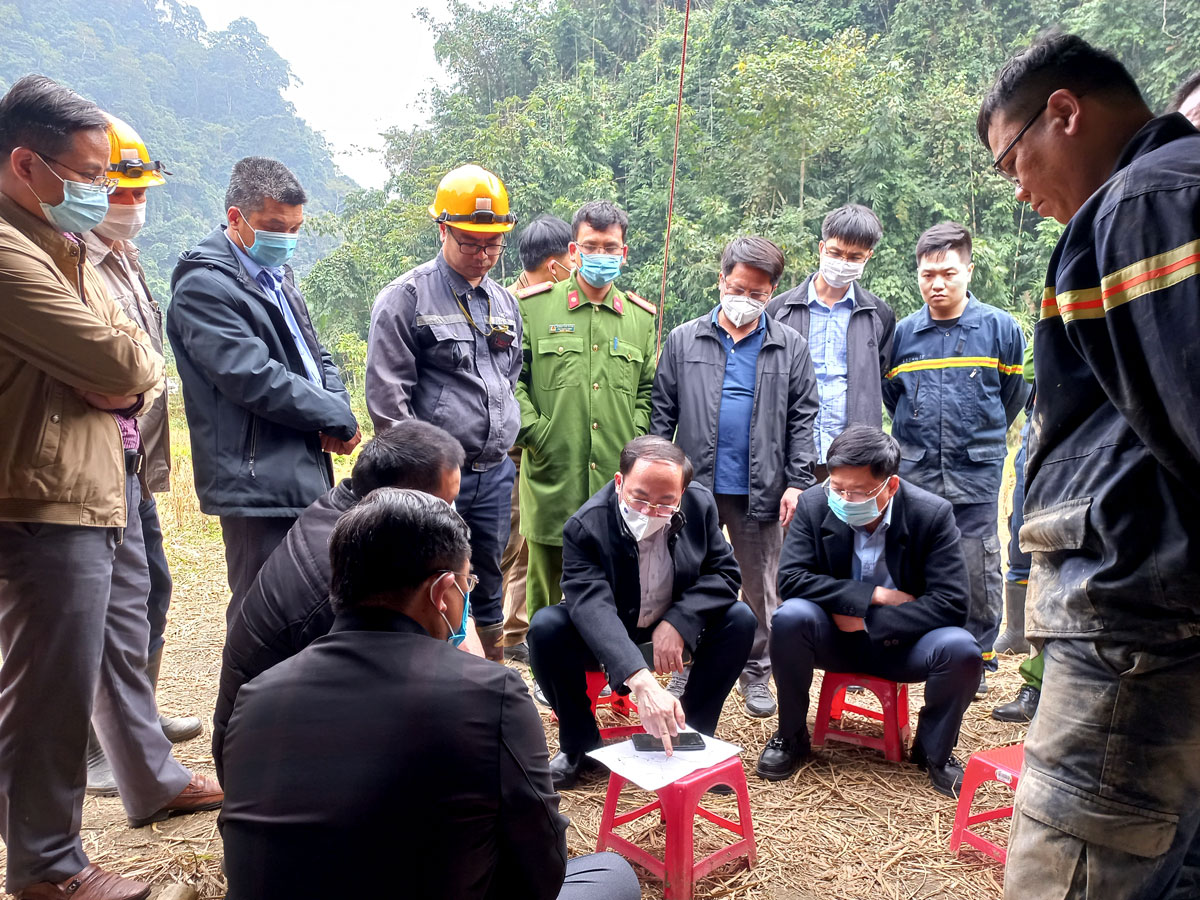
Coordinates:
[1013,638]
[179,729]
[490,637]
[100,780]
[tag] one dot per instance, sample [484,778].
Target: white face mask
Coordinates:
[123,221]
[640,525]
[741,310]
[840,272]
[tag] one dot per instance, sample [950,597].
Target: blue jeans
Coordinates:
[1109,801]
[485,504]
[804,638]
[159,600]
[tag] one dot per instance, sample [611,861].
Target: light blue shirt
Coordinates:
[275,292]
[870,565]
[731,469]
[827,331]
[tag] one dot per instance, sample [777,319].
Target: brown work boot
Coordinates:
[490,637]
[93,883]
[203,792]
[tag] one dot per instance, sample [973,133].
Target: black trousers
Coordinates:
[249,540]
[561,659]
[803,638]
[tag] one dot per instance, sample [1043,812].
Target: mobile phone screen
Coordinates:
[685,740]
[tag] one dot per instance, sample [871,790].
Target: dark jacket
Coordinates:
[1112,502]
[868,346]
[952,394]
[253,415]
[380,761]
[602,587]
[923,558]
[686,405]
[285,610]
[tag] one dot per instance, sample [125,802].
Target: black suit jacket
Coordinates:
[602,584]
[379,761]
[923,557]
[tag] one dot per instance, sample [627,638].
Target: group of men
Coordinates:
[725,511]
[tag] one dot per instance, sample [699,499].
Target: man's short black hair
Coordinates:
[756,252]
[853,224]
[939,240]
[601,215]
[390,543]
[411,454]
[258,178]
[1184,91]
[1051,63]
[865,445]
[544,237]
[651,446]
[41,114]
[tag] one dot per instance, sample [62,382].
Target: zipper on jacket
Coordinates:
[916,398]
[253,444]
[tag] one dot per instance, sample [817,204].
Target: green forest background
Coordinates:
[791,108]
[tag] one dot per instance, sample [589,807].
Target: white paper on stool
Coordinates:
[651,771]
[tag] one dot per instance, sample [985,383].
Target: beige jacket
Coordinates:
[61,460]
[137,303]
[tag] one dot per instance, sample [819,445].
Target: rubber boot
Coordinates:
[183,728]
[1013,638]
[100,780]
[490,636]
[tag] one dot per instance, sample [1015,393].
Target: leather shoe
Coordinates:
[93,883]
[982,690]
[518,653]
[1021,709]
[180,728]
[202,792]
[946,778]
[783,756]
[568,770]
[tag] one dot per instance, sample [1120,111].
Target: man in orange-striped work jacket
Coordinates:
[952,390]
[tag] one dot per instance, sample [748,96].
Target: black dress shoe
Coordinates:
[1021,709]
[568,770]
[518,653]
[946,778]
[783,756]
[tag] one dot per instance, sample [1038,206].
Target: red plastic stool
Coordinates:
[622,704]
[679,804]
[1002,764]
[893,699]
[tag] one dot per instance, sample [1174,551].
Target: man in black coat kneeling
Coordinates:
[877,585]
[645,569]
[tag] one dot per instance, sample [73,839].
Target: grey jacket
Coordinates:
[686,406]
[425,360]
[868,346]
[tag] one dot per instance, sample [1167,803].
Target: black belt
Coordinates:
[133,462]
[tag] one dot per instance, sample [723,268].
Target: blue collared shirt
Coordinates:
[827,331]
[275,292]
[869,565]
[731,470]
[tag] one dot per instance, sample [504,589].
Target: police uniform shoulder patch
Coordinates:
[642,302]
[540,288]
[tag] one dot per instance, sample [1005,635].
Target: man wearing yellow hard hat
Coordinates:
[445,347]
[111,250]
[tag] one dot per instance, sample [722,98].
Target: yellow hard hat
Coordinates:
[129,162]
[473,199]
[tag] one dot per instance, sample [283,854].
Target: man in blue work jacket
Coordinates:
[954,388]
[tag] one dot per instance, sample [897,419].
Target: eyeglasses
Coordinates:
[855,496]
[471,248]
[1009,176]
[657,510]
[756,296]
[607,249]
[101,181]
[846,257]
[472,580]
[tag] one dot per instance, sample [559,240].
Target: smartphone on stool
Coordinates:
[685,740]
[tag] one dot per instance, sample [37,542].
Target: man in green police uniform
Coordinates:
[584,389]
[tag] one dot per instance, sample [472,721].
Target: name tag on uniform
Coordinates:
[562,329]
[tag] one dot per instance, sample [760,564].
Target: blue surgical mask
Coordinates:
[853,512]
[456,637]
[83,206]
[271,249]
[599,269]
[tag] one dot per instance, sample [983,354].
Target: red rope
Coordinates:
[662,304]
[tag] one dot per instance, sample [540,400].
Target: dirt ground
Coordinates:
[847,825]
